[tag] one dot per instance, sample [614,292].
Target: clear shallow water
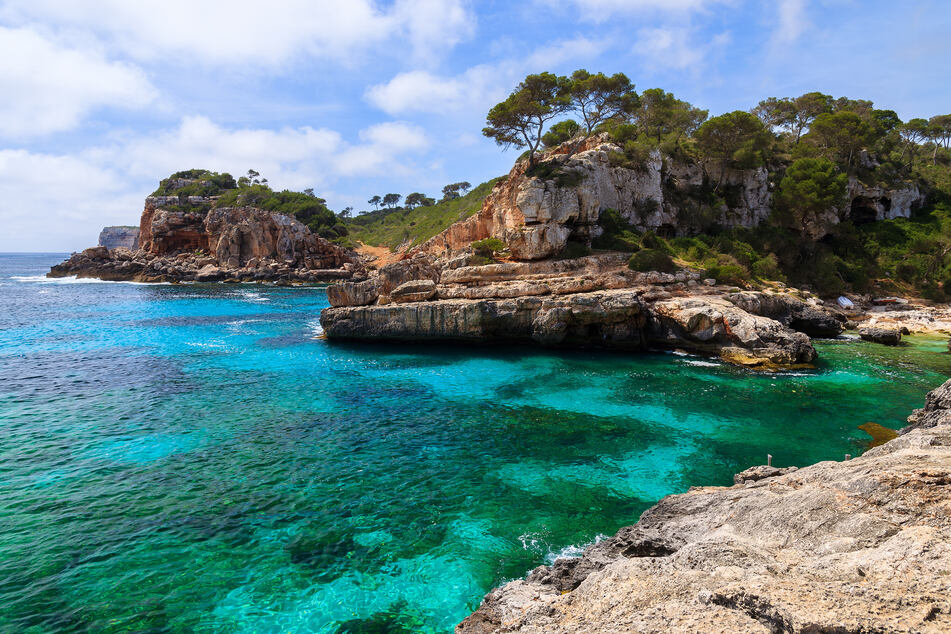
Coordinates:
[192,458]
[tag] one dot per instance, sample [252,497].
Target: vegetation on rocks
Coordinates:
[412,226]
[488,247]
[251,190]
[812,147]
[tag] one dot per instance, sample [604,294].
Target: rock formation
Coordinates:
[113,237]
[591,301]
[886,336]
[562,198]
[194,241]
[854,546]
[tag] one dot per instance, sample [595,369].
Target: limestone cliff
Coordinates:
[193,240]
[537,212]
[854,546]
[591,301]
[121,236]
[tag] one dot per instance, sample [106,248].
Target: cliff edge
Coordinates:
[854,546]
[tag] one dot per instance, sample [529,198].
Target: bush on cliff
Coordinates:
[651,260]
[206,183]
[309,209]
[616,233]
[488,247]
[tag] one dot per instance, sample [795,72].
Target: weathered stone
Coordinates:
[760,472]
[353,293]
[191,240]
[886,336]
[114,237]
[790,311]
[209,273]
[854,546]
[619,318]
[413,291]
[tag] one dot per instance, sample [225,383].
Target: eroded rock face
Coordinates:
[113,237]
[789,311]
[592,301]
[192,243]
[536,215]
[855,546]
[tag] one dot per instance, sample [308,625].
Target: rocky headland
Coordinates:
[119,236]
[544,293]
[591,301]
[190,238]
[853,546]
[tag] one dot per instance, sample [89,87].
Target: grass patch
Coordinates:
[394,227]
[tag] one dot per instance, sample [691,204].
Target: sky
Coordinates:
[101,99]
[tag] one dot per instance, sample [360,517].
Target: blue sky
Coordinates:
[102,98]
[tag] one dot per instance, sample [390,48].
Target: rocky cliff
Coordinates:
[853,546]
[591,301]
[113,237]
[192,240]
[536,212]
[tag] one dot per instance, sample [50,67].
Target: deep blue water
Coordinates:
[180,458]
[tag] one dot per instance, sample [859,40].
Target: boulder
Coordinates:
[413,291]
[885,336]
[811,319]
[353,293]
[209,273]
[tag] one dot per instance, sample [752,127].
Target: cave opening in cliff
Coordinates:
[863,211]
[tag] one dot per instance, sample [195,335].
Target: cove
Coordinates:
[195,458]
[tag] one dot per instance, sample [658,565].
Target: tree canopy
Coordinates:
[598,98]
[520,120]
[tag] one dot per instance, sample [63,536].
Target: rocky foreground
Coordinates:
[591,301]
[846,547]
[188,242]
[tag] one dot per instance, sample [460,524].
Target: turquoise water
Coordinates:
[194,458]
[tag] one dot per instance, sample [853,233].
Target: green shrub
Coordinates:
[767,268]
[553,171]
[488,247]
[650,240]
[728,274]
[651,260]
[616,233]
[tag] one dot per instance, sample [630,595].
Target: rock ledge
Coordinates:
[856,546]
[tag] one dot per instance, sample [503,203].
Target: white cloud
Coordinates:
[557,53]
[51,201]
[602,10]
[47,201]
[675,47]
[49,88]
[254,34]
[792,20]
[479,86]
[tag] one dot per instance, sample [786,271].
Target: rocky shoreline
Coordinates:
[590,301]
[853,546]
[192,242]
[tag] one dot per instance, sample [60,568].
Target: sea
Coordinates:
[199,458]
